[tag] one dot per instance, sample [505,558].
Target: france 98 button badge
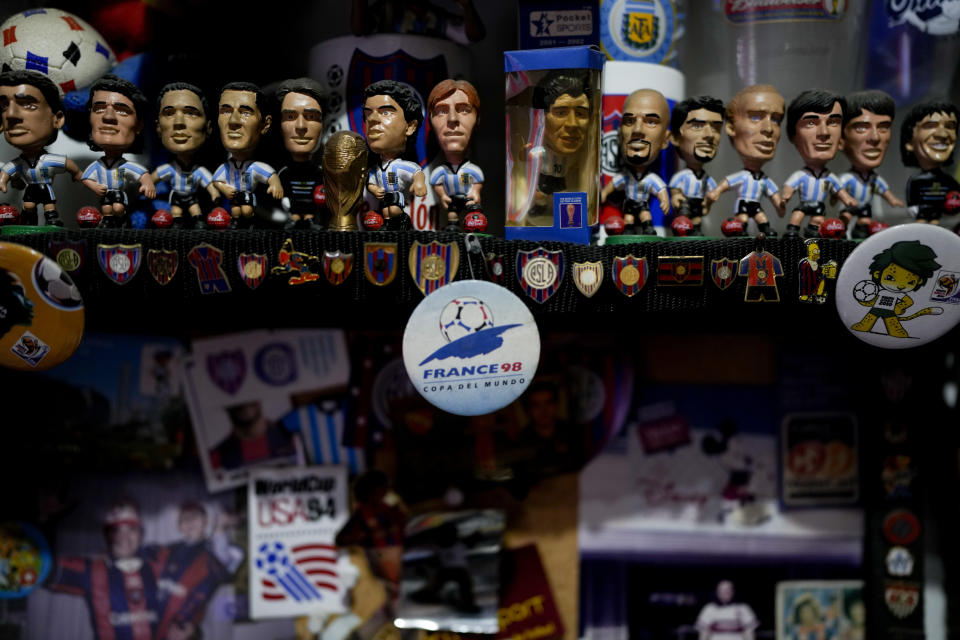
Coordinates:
[471,347]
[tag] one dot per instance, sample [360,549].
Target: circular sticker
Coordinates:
[24,559]
[471,347]
[901,288]
[901,527]
[41,310]
[899,562]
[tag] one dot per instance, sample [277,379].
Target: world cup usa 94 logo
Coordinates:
[471,347]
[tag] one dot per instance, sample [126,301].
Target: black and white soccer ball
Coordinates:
[55,285]
[865,290]
[464,316]
[57,44]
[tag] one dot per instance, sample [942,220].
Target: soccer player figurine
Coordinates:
[867,129]
[301,125]
[642,135]
[696,127]
[243,120]
[928,137]
[753,126]
[391,115]
[454,109]
[32,115]
[565,97]
[116,109]
[814,125]
[183,127]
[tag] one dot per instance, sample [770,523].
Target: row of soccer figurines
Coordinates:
[818,123]
[32,114]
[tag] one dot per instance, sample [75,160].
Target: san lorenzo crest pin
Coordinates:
[252,268]
[629,274]
[433,265]
[588,277]
[540,273]
[723,272]
[337,266]
[120,262]
[380,262]
[162,264]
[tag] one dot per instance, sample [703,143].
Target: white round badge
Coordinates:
[471,347]
[901,287]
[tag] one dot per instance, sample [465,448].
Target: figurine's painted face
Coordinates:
[644,127]
[896,278]
[453,120]
[699,136]
[182,124]
[301,123]
[866,138]
[28,121]
[240,121]
[817,137]
[114,123]
[192,526]
[933,140]
[755,128]
[387,129]
[566,124]
[124,540]
[725,591]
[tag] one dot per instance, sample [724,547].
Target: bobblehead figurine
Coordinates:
[183,127]
[565,98]
[32,115]
[814,126]
[454,108]
[116,109]
[243,119]
[928,137]
[642,135]
[867,129]
[391,114]
[696,127]
[301,125]
[753,127]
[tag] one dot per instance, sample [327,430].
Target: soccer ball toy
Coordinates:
[58,44]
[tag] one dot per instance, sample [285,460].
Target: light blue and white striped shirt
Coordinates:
[184,182]
[638,190]
[690,185]
[242,176]
[752,187]
[113,175]
[456,182]
[813,187]
[852,182]
[40,172]
[396,175]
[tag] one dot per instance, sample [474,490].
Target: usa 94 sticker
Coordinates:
[471,347]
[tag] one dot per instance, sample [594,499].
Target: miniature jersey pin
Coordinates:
[761,269]
[207,261]
[433,265]
[901,288]
[630,274]
[41,310]
[301,267]
[723,272]
[814,274]
[588,276]
[540,273]
[679,271]
[252,268]
[380,262]
[162,264]
[120,262]
[337,266]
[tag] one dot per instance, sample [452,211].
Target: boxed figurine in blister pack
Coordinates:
[553,142]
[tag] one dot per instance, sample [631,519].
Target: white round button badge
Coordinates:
[901,287]
[471,347]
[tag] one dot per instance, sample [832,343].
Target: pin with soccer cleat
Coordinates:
[761,269]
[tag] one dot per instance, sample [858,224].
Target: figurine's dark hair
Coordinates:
[812,100]
[184,86]
[683,108]
[917,258]
[914,116]
[559,82]
[403,94]
[13,302]
[261,99]
[870,100]
[47,88]
[126,88]
[306,86]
